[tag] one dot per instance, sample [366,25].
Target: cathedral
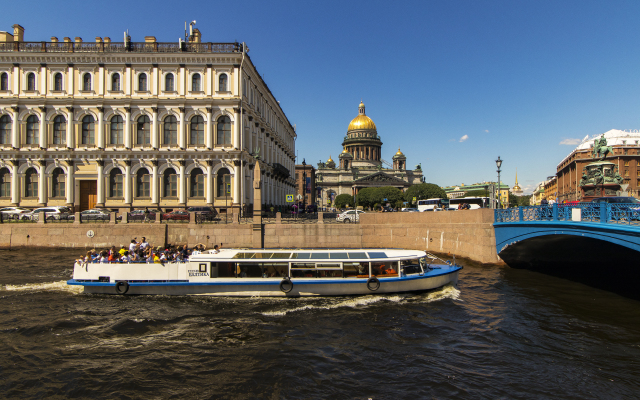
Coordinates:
[361,164]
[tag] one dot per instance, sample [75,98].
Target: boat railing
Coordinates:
[607,213]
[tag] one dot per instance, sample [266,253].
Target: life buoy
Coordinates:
[122,287]
[286,285]
[373,284]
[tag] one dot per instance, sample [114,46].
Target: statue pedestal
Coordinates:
[600,179]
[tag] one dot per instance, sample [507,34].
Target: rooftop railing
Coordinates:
[115,47]
[606,213]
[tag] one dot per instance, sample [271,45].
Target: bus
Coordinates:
[432,204]
[474,202]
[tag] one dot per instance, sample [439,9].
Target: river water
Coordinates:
[502,333]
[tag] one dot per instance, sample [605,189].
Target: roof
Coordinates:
[320,255]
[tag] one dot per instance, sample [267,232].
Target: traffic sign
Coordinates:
[289,198]
[299,197]
[414,199]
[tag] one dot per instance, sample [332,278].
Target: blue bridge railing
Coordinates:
[607,213]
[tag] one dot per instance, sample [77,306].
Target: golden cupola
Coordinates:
[362,141]
[361,122]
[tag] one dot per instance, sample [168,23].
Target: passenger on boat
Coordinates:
[216,249]
[122,250]
[113,256]
[156,259]
[125,257]
[132,245]
[144,244]
[104,257]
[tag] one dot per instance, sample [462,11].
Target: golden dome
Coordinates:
[344,151]
[399,153]
[330,159]
[361,122]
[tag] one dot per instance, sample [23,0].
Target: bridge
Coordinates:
[569,235]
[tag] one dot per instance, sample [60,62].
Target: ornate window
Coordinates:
[5,129]
[195,83]
[197,130]
[224,182]
[116,135]
[170,183]
[86,82]
[57,82]
[88,130]
[4,81]
[31,81]
[31,183]
[57,182]
[170,130]
[115,183]
[33,130]
[143,132]
[143,183]
[224,130]
[168,83]
[115,82]
[142,82]
[196,184]
[222,83]
[5,182]
[59,130]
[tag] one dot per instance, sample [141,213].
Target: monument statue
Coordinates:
[600,148]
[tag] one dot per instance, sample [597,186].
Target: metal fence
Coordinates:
[608,213]
[115,47]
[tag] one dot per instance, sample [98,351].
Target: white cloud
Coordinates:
[486,130]
[464,138]
[571,142]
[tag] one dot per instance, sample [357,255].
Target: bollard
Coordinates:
[321,218]
[278,218]
[112,217]
[42,217]
[192,217]
[77,218]
[125,217]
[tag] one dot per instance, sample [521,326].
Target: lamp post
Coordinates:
[304,185]
[499,164]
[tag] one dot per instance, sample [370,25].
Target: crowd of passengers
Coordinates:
[143,252]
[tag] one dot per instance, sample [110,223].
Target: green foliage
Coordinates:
[477,193]
[342,200]
[424,191]
[368,197]
[519,201]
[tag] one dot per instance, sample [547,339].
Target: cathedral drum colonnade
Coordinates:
[124,125]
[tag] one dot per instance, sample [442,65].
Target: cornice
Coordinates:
[110,58]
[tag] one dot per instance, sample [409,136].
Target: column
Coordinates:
[209,186]
[209,135]
[42,183]
[69,186]
[154,128]
[43,80]
[42,133]
[127,182]
[100,185]
[236,182]
[236,129]
[182,184]
[100,143]
[70,79]
[15,138]
[70,138]
[15,183]
[181,141]
[154,182]
[127,128]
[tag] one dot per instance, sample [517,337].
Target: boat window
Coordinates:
[389,268]
[225,269]
[281,255]
[329,273]
[298,265]
[374,254]
[410,266]
[338,256]
[303,273]
[320,256]
[301,256]
[358,256]
[263,255]
[249,270]
[356,269]
[273,270]
[327,266]
[244,255]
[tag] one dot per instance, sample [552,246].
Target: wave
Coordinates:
[47,286]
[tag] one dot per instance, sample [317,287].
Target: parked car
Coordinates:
[176,215]
[136,215]
[388,209]
[202,210]
[349,216]
[51,213]
[94,215]
[408,209]
[13,212]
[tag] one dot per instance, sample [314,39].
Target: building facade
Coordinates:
[361,164]
[454,192]
[305,184]
[138,124]
[626,156]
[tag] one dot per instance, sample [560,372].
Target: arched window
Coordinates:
[116,136]
[143,132]
[196,184]
[170,130]
[115,82]
[31,183]
[5,129]
[31,81]
[224,182]
[5,182]
[197,130]
[168,83]
[195,82]
[115,183]
[33,130]
[4,81]
[222,82]
[59,130]
[224,130]
[57,82]
[170,183]
[57,182]
[143,183]
[142,82]
[88,130]
[86,82]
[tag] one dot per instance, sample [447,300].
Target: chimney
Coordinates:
[67,40]
[18,33]
[107,39]
[54,39]
[150,39]
[98,39]
[78,39]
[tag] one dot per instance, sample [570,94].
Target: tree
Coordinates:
[518,201]
[368,197]
[477,193]
[342,200]
[424,191]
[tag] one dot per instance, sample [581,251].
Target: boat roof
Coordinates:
[285,255]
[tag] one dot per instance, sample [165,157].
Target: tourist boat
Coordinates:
[264,272]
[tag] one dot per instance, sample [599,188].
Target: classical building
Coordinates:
[305,183]
[361,164]
[516,189]
[138,124]
[625,158]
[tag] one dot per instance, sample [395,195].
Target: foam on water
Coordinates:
[47,286]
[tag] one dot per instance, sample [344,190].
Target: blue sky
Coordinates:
[454,84]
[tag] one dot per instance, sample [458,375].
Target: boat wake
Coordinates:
[47,286]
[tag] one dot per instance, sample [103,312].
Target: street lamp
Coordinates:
[499,164]
[304,184]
